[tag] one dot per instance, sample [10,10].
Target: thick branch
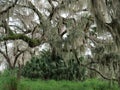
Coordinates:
[31,42]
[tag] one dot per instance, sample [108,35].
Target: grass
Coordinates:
[92,84]
[27,84]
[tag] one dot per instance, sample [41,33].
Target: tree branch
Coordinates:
[96,40]
[31,42]
[99,73]
[16,57]
[8,8]
[31,6]
[6,26]
[7,58]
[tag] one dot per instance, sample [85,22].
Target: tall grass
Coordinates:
[8,81]
[92,84]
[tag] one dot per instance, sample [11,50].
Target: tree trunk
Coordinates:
[19,72]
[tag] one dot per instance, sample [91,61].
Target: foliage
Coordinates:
[45,68]
[8,81]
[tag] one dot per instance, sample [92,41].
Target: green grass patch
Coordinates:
[27,84]
[92,84]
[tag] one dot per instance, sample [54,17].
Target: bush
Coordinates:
[45,68]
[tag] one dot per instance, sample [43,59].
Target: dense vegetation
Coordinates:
[81,39]
[44,67]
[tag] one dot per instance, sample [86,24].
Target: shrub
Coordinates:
[45,68]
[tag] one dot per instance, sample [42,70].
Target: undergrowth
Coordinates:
[8,81]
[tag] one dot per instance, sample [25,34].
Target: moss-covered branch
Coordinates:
[31,42]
